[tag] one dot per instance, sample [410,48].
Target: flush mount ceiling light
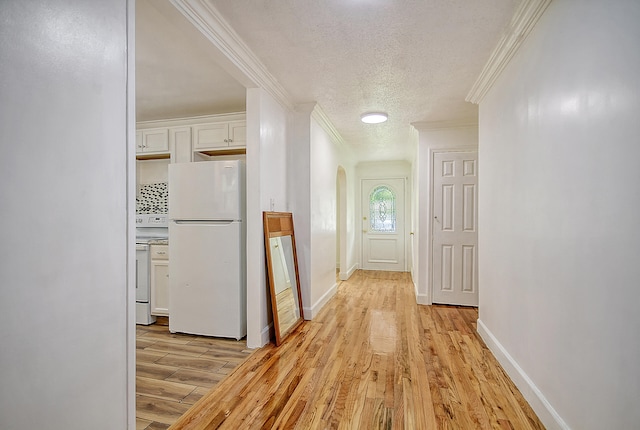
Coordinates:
[373,117]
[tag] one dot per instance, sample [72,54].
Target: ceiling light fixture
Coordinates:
[373,117]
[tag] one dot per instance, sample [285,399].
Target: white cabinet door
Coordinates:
[180,144]
[238,133]
[159,280]
[219,135]
[211,136]
[155,140]
[152,141]
[139,145]
[160,287]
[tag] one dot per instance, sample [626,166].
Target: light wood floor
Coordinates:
[173,371]
[288,309]
[372,359]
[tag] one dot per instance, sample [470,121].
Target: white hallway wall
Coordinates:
[267,169]
[66,277]
[559,204]
[314,158]
[326,156]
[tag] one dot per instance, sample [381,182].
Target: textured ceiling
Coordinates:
[414,59]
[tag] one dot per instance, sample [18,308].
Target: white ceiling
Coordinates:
[177,75]
[414,59]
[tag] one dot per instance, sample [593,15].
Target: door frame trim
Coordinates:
[341,222]
[430,212]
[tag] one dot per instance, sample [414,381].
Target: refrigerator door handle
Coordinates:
[201,221]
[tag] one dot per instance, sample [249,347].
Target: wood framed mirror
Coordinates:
[282,272]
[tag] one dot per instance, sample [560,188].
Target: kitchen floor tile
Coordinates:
[174,370]
[196,377]
[166,390]
[195,363]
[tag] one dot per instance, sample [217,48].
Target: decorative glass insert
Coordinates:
[382,210]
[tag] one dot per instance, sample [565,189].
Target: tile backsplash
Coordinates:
[152,199]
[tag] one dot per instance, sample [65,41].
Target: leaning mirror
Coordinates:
[282,271]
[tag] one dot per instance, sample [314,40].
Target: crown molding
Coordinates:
[313,110]
[191,120]
[319,115]
[521,25]
[206,18]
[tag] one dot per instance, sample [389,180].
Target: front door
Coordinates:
[383,245]
[455,228]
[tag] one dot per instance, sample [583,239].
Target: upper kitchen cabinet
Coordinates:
[187,139]
[220,136]
[180,144]
[152,143]
[158,143]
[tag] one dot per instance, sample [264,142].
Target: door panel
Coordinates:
[447,268]
[383,241]
[206,279]
[142,273]
[455,235]
[206,190]
[469,194]
[383,250]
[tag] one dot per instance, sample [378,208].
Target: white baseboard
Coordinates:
[421,299]
[310,313]
[265,335]
[531,393]
[344,276]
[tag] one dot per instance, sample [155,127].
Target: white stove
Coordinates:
[149,227]
[152,226]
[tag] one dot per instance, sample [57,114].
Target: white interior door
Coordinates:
[383,242]
[455,232]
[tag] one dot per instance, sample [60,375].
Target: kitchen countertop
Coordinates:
[159,242]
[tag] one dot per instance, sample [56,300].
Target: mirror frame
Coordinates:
[279,224]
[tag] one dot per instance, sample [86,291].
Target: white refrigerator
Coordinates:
[207,258]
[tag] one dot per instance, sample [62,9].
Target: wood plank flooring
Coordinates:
[372,359]
[288,310]
[173,371]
